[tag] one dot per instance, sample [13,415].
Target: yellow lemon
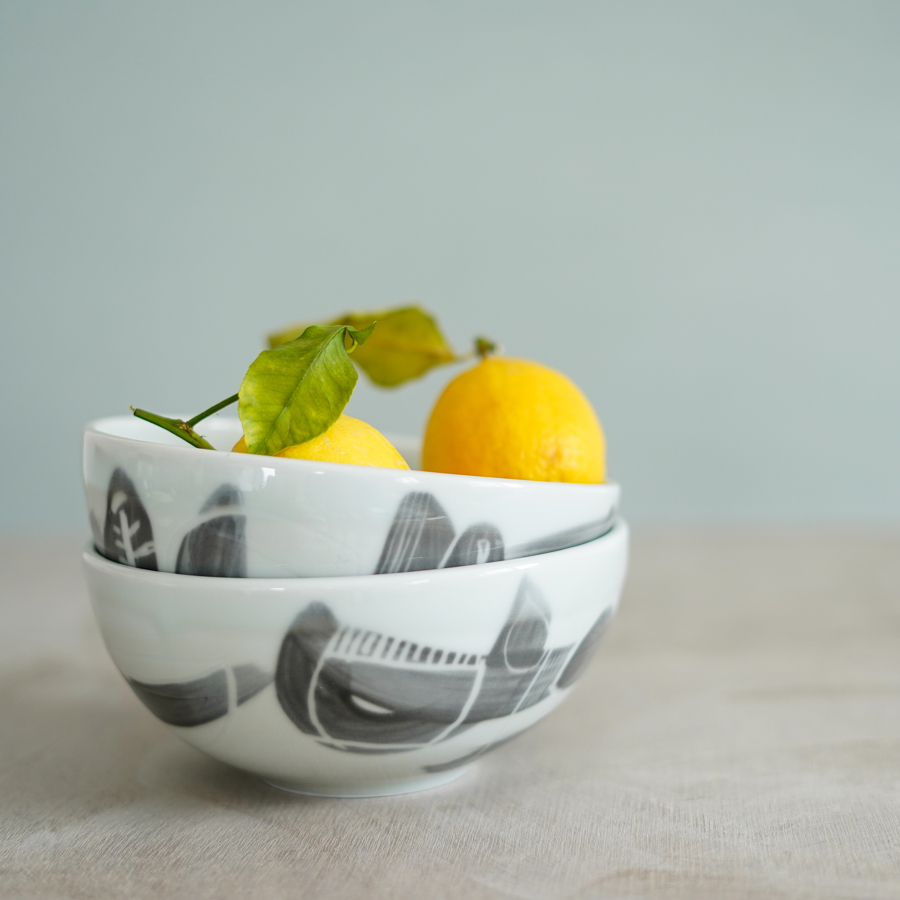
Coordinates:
[347,441]
[511,418]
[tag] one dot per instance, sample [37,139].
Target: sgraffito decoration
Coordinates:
[217,545]
[127,531]
[361,691]
[421,535]
[356,690]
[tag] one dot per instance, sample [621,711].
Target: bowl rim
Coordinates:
[619,533]
[286,464]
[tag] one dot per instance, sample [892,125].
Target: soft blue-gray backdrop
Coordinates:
[692,209]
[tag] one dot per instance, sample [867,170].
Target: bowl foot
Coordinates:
[381,789]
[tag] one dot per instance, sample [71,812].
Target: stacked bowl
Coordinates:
[336,629]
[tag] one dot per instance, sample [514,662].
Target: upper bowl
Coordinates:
[156,503]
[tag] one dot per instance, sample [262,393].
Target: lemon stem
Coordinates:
[182,429]
[178,427]
[484,347]
[211,410]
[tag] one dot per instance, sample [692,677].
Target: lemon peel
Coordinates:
[349,441]
[513,418]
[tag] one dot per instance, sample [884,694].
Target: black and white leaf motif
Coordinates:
[586,649]
[127,532]
[359,689]
[348,684]
[422,537]
[188,704]
[520,669]
[419,537]
[217,546]
[481,543]
[301,649]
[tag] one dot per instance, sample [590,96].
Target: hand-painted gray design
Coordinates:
[201,700]
[301,649]
[216,547]
[422,537]
[520,670]
[186,703]
[419,536]
[348,684]
[586,649]
[479,543]
[361,691]
[355,689]
[249,680]
[127,532]
[562,540]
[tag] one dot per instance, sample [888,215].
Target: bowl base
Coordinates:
[384,789]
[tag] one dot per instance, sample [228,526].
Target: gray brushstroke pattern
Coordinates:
[188,704]
[419,537]
[216,547]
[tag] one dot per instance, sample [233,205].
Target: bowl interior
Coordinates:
[223,432]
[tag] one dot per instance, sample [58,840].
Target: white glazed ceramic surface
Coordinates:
[154,502]
[359,686]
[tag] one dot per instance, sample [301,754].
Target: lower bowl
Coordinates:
[362,685]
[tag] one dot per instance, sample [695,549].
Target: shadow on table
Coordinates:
[173,766]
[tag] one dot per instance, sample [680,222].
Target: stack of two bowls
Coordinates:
[337,629]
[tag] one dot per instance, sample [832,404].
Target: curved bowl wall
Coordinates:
[359,686]
[156,503]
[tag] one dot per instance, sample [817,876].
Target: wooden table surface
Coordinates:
[738,735]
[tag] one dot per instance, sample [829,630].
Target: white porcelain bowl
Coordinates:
[157,503]
[359,686]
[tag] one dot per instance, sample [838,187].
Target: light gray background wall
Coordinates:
[693,209]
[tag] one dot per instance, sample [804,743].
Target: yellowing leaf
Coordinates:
[406,344]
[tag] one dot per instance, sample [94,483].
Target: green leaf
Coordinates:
[406,344]
[277,338]
[298,390]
